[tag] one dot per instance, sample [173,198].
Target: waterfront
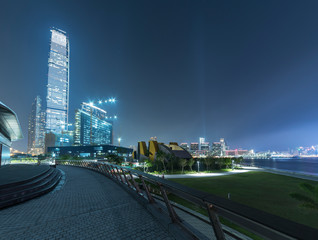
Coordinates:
[307,166]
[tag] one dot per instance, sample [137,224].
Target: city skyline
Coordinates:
[182,74]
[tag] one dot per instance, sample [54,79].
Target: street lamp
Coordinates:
[119,139]
[198,165]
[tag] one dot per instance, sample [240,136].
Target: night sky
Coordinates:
[243,70]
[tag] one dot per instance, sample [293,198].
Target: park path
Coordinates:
[201,174]
[87,206]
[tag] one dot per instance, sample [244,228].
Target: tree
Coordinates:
[225,162]
[115,158]
[309,200]
[183,163]
[207,163]
[238,161]
[148,163]
[172,160]
[161,156]
[190,163]
[65,157]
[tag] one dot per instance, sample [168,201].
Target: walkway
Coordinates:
[199,175]
[87,206]
[244,170]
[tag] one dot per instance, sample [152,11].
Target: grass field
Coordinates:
[265,191]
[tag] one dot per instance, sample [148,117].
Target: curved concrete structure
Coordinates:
[10,130]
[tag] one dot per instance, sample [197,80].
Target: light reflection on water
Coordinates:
[305,166]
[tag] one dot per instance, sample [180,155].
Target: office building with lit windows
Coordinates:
[185,146]
[219,148]
[194,146]
[36,129]
[205,146]
[58,83]
[92,126]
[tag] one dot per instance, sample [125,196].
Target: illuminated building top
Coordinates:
[58,83]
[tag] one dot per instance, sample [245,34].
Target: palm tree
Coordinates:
[172,160]
[190,163]
[183,163]
[309,200]
[207,162]
[161,156]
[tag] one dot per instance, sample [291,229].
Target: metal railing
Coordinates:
[261,223]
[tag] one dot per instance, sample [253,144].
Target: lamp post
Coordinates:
[119,139]
[198,162]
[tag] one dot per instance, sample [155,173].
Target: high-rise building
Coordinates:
[219,148]
[185,146]
[36,130]
[216,149]
[92,126]
[205,146]
[57,101]
[194,146]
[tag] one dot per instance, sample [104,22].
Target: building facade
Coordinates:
[10,130]
[185,146]
[57,101]
[219,148]
[194,146]
[36,129]
[92,126]
[205,146]
[93,151]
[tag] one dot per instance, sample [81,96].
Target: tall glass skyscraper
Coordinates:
[58,83]
[92,126]
[36,130]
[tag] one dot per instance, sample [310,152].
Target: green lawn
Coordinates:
[265,191]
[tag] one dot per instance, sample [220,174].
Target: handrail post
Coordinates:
[106,169]
[128,183]
[114,172]
[110,170]
[215,222]
[150,198]
[121,178]
[102,167]
[134,182]
[173,215]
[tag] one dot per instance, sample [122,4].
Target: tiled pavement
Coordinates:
[87,206]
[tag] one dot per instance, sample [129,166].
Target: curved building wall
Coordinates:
[5,145]
[153,148]
[10,130]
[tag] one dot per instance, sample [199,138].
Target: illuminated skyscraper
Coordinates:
[92,126]
[194,146]
[36,130]
[57,101]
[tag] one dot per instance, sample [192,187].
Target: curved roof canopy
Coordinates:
[9,123]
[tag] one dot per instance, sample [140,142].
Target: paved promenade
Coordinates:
[201,174]
[87,206]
